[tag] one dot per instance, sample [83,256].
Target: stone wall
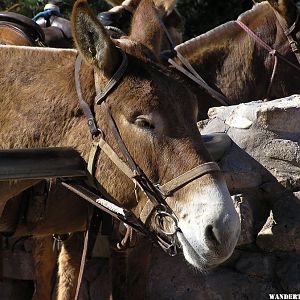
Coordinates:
[262,170]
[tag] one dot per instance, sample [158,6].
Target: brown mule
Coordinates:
[153,121]
[235,65]
[20,30]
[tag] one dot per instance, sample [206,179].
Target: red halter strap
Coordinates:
[271,51]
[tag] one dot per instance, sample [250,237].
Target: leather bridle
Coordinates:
[156,205]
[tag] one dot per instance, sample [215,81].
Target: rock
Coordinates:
[264,158]
[280,115]
[242,181]
[268,132]
[180,282]
[279,238]
[238,122]
[246,216]
[282,229]
[285,150]
[257,265]
[253,213]
[288,271]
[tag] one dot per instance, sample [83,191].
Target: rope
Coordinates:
[271,51]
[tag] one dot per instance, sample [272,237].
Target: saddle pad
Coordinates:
[41,163]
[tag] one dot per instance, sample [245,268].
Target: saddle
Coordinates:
[26,31]
[16,29]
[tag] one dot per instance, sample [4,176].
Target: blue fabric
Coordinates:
[46,14]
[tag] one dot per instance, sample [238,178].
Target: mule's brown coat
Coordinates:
[231,62]
[40,109]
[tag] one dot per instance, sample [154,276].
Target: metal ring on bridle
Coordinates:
[97,135]
[164,214]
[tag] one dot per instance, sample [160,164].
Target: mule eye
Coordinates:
[144,123]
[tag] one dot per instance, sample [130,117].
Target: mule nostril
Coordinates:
[212,235]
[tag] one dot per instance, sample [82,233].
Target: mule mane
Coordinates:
[255,12]
[217,34]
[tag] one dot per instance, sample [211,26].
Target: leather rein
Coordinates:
[156,194]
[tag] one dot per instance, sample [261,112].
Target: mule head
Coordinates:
[286,9]
[120,17]
[156,114]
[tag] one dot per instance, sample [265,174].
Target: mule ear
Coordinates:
[146,27]
[92,40]
[286,8]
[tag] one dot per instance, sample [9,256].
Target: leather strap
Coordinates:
[92,157]
[84,106]
[288,31]
[265,45]
[82,263]
[129,240]
[187,177]
[293,27]
[192,74]
[112,125]
[122,214]
[272,76]
[147,211]
[115,158]
[95,131]
[93,221]
[190,71]
[114,80]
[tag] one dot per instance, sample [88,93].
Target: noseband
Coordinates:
[156,194]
